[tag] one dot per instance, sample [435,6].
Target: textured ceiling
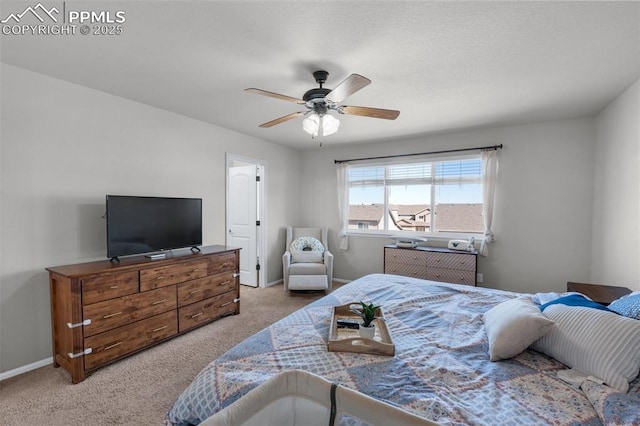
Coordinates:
[444,65]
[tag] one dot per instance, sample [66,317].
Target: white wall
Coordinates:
[63,148]
[542,217]
[616,220]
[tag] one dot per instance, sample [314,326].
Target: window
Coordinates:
[443,196]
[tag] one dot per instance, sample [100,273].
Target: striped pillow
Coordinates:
[598,343]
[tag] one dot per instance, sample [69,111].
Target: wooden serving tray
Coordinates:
[349,340]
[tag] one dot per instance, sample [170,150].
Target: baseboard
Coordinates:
[276,282]
[272,283]
[26,368]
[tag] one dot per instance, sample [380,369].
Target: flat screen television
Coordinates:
[137,225]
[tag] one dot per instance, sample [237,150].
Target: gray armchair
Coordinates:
[307,269]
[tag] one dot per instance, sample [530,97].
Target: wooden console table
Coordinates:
[104,311]
[604,294]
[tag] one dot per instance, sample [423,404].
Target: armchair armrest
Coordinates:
[286,262]
[328,262]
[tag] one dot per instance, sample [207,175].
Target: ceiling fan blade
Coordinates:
[387,114]
[348,87]
[281,119]
[274,95]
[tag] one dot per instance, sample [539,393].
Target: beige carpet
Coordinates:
[140,389]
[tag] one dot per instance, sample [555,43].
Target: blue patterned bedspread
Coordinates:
[441,369]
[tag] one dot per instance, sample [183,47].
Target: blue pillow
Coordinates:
[575,300]
[628,305]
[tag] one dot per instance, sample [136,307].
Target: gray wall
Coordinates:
[542,217]
[63,148]
[616,220]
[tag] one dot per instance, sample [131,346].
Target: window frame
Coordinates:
[386,233]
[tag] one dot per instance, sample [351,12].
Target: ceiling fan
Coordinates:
[320,101]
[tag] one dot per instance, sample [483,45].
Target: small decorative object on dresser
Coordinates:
[103,311]
[432,263]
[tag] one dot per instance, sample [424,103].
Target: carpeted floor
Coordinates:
[140,389]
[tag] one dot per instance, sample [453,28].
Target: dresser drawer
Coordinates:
[172,274]
[465,262]
[203,288]
[114,313]
[416,271]
[222,262]
[192,315]
[104,287]
[451,276]
[118,342]
[411,257]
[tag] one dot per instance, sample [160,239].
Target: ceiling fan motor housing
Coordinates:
[315,98]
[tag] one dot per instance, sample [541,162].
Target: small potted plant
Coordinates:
[368,313]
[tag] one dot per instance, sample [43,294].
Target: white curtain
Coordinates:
[489,178]
[343,208]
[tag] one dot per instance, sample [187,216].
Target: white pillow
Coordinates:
[598,343]
[512,326]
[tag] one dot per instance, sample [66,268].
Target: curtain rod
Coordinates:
[482,148]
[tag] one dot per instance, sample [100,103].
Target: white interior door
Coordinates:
[241,220]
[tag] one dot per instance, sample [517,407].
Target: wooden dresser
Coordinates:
[432,263]
[104,311]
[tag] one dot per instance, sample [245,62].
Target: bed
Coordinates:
[440,371]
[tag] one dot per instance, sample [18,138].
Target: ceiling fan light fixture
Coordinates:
[311,124]
[330,125]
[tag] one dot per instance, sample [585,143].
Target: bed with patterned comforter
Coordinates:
[440,371]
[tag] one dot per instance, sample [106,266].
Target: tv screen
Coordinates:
[138,225]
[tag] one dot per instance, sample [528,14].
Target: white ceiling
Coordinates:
[444,65]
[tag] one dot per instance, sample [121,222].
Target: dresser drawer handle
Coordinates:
[159,328]
[111,315]
[113,287]
[224,283]
[437,275]
[160,278]
[462,279]
[157,302]
[225,304]
[106,348]
[195,291]
[197,315]
[195,270]
[236,275]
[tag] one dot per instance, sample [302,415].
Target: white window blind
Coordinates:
[417,196]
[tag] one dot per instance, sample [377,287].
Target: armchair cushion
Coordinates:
[298,256]
[307,269]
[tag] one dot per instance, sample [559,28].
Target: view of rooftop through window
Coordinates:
[430,197]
